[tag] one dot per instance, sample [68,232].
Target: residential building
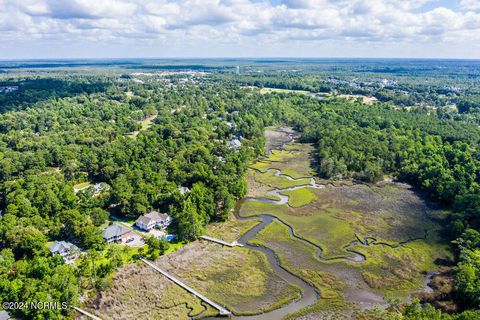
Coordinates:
[117,233]
[231,125]
[183,189]
[234,144]
[68,251]
[153,219]
[8,89]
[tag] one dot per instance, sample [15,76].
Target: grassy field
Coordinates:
[364,99]
[146,123]
[299,197]
[238,278]
[275,90]
[83,185]
[273,181]
[294,161]
[139,292]
[230,231]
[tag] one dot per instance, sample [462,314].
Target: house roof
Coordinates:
[114,230]
[153,216]
[143,219]
[235,143]
[59,246]
[183,189]
[4,315]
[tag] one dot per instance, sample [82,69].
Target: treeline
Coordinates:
[33,90]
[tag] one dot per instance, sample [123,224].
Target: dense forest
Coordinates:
[60,130]
[60,141]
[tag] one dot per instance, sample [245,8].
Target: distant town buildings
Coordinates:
[8,89]
[388,83]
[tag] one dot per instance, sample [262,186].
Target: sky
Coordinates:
[42,29]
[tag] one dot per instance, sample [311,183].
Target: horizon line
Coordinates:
[234,58]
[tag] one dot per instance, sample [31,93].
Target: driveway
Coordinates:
[156,233]
[137,241]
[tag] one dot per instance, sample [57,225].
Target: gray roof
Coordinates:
[4,315]
[143,219]
[59,246]
[153,215]
[235,143]
[114,230]
[183,189]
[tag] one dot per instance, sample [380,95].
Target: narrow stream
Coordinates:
[309,295]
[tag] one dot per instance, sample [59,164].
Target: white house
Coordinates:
[231,125]
[152,220]
[183,190]
[234,144]
[68,251]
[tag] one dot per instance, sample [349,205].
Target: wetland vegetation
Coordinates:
[341,205]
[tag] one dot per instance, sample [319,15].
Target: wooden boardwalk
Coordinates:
[88,314]
[224,243]
[223,311]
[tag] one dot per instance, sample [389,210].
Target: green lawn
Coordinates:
[83,185]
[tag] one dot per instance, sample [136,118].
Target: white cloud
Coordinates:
[470,4]
[238,21]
